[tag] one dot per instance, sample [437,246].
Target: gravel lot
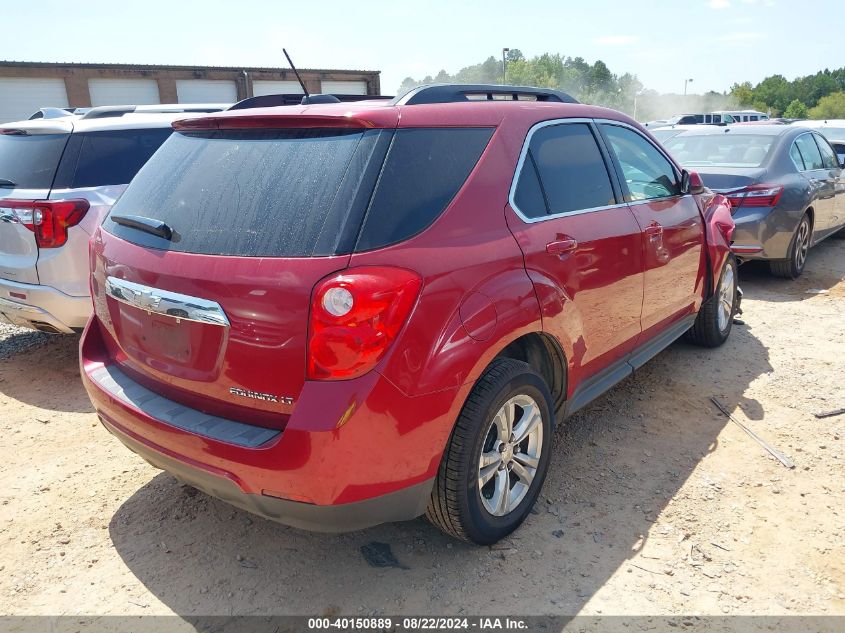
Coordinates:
[655,503]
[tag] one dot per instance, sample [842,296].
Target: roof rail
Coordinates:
[103,112]
[269,101]
[457,93]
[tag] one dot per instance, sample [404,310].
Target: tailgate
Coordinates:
[204,268]
[29,157]
[225,335]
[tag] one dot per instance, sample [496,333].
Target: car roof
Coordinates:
[385,115]
[755,130]
[77,123]
[820,123]
[679,127]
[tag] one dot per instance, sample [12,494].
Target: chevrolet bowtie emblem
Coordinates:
[146,300]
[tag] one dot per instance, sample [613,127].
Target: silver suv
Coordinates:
[58,179]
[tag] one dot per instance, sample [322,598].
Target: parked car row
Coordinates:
[785,184]
[718,117]
[339,315]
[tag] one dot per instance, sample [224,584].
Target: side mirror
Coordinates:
[691,183]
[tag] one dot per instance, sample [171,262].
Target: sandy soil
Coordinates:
[655,503]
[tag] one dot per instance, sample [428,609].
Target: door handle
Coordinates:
[654,230]
[561,246]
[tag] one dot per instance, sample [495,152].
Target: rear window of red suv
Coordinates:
[297,192]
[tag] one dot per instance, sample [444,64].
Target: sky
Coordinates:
[713,42]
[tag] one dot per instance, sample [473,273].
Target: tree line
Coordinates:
[818,96]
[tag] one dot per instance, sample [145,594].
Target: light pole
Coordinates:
[686,81]
[637,96]
[504,64]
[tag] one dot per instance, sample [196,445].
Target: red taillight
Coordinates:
[755,196]
[355,316]
[48,219]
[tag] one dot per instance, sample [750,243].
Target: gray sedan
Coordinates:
[785,184]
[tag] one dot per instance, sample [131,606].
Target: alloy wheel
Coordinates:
[510,455]
[727,293]
[802,244]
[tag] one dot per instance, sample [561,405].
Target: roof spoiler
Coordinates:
[458,93]
[270,101]
[104,112]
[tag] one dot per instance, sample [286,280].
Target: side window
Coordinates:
[809,152]
[572,172]
[648,174]
[424,169]
[528,196]
[829,158]
[113,157]
[795,155]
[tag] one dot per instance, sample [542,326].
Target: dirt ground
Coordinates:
[655,503]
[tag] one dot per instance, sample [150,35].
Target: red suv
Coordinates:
[340,315]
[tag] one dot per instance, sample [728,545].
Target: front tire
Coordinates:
[497,457]
[715,318]
[793,265]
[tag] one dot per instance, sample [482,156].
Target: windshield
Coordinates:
[29,162]
[664,135]
[720,150]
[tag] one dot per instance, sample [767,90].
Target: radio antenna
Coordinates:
[296,72]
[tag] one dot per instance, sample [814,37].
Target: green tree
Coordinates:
[830,107]
[515,55]
[795,110]
[743,93]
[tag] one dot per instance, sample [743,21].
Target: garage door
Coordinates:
[261,88]
[206,91]
[123,91]
[19,98]
[345,87]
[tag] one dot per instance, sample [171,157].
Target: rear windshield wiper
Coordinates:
[148,225]
[5,182]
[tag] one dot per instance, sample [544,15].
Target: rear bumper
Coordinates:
[401,505]
[42,308]
[353,454]
[763,233]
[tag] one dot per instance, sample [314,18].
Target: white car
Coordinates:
[833,130]
[58,179]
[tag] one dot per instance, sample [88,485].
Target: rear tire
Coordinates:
[715,318]
[487,483]
[793,265]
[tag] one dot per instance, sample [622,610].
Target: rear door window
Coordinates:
[29,161]
[648,173]
[572,173]
[809,152]
[795,155]
[528,196]
[829,158]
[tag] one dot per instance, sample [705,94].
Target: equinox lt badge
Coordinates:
[255,395]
